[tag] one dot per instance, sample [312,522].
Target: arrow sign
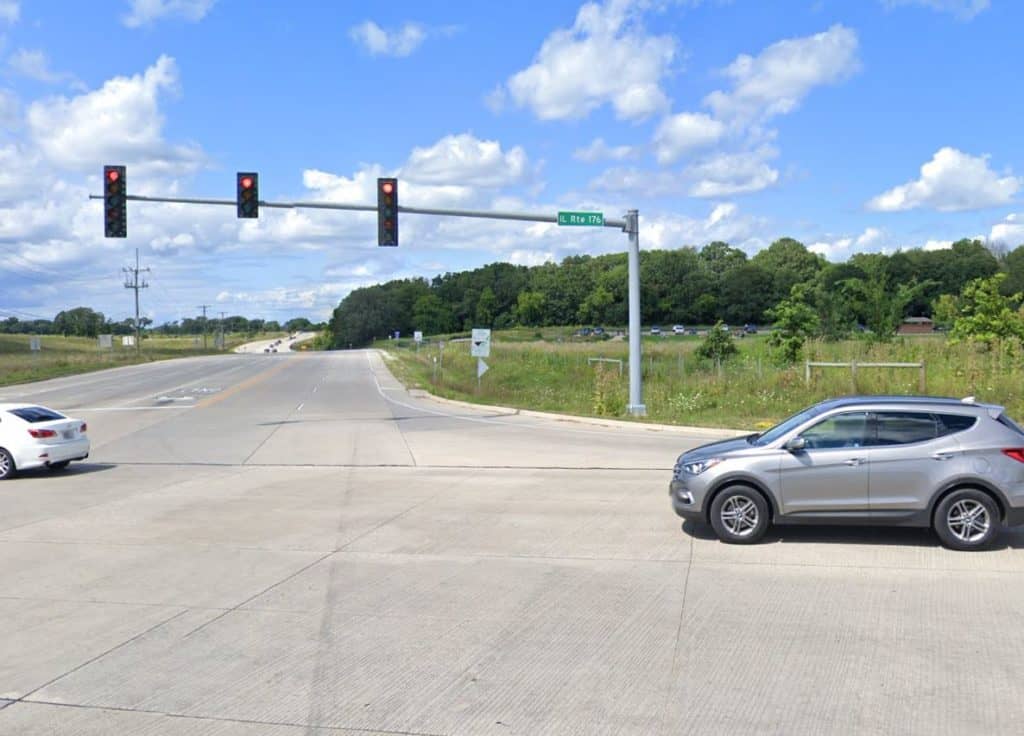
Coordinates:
[481,367]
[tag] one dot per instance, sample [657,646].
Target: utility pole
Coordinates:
[222,339]
[204,307]
[131,281]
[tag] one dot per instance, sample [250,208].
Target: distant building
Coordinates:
[916,326]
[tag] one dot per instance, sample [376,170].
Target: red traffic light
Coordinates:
[387,187]
[113,175]
[246,182]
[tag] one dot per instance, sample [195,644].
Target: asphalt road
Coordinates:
[291,544]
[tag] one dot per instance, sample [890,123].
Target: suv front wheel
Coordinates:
[967,519]
[739,515]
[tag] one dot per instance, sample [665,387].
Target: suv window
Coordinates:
[950,423]
[33,414]
[841,430]
[904,428]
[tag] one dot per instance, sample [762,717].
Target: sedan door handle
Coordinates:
[854,461]
[942,456]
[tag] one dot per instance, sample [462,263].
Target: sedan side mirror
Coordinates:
[796,444]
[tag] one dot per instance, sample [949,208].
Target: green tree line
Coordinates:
[87,322]
[689,285]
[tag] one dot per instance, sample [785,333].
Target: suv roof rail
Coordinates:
[968,400]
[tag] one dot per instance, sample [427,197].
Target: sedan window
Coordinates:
[841,430]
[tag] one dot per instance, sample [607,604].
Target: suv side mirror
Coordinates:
[796,444]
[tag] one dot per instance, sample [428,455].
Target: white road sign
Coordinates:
[481,367]
[417,336]
[106,341]
[481,343]
[128,340]
[34,344]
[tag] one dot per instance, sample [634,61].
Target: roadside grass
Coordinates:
[749,391]
[65,356]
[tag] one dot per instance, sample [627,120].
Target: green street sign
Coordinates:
[593,219]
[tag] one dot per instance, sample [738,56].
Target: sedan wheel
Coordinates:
[7,468]
[739,515]
[967,520]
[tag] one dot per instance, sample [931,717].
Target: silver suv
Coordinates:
[954,465]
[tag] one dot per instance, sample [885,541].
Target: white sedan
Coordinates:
[34,437]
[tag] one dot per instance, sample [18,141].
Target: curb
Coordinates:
[712,432]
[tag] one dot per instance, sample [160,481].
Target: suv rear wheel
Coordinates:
[967,519]
[739,515]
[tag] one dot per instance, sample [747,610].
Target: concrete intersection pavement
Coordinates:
[292,544]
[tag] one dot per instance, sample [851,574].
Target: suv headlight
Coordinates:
[698,467]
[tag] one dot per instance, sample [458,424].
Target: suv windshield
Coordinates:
[787,425]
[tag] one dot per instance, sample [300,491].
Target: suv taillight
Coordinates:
[1017,453]
[83,428]
[41,433]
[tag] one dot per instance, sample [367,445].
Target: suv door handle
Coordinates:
[942,456]
[854,461]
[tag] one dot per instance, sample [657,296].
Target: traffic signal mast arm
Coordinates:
[620,224]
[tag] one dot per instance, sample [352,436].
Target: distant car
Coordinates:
[692,331]
[956,466]
[725,328]
[678,330]
[655,330]
[598,331]
[33,436]
[750,329]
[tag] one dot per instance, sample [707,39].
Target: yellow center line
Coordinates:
[247,383]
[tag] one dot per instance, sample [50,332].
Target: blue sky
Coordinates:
[866,125]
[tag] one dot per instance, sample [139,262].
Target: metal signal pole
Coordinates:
[133,283]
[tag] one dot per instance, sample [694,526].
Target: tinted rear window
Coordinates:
[33,414]
[950,423]
[904,428]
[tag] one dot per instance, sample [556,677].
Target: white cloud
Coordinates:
[531,257]
[598,150]
[775,81]
[952,181]
[119,123]
[962,9]
[9,11]
[1009,232]
[32,63]
[937,245]
[684,132]
[871,237]
[380,42]
[834,251]
[650,183]
[464,160]
[724,222]
[732,173]
[147,12]
[605,58]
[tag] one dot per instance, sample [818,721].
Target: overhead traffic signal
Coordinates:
[115,202]
[248,198]
[387,211]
